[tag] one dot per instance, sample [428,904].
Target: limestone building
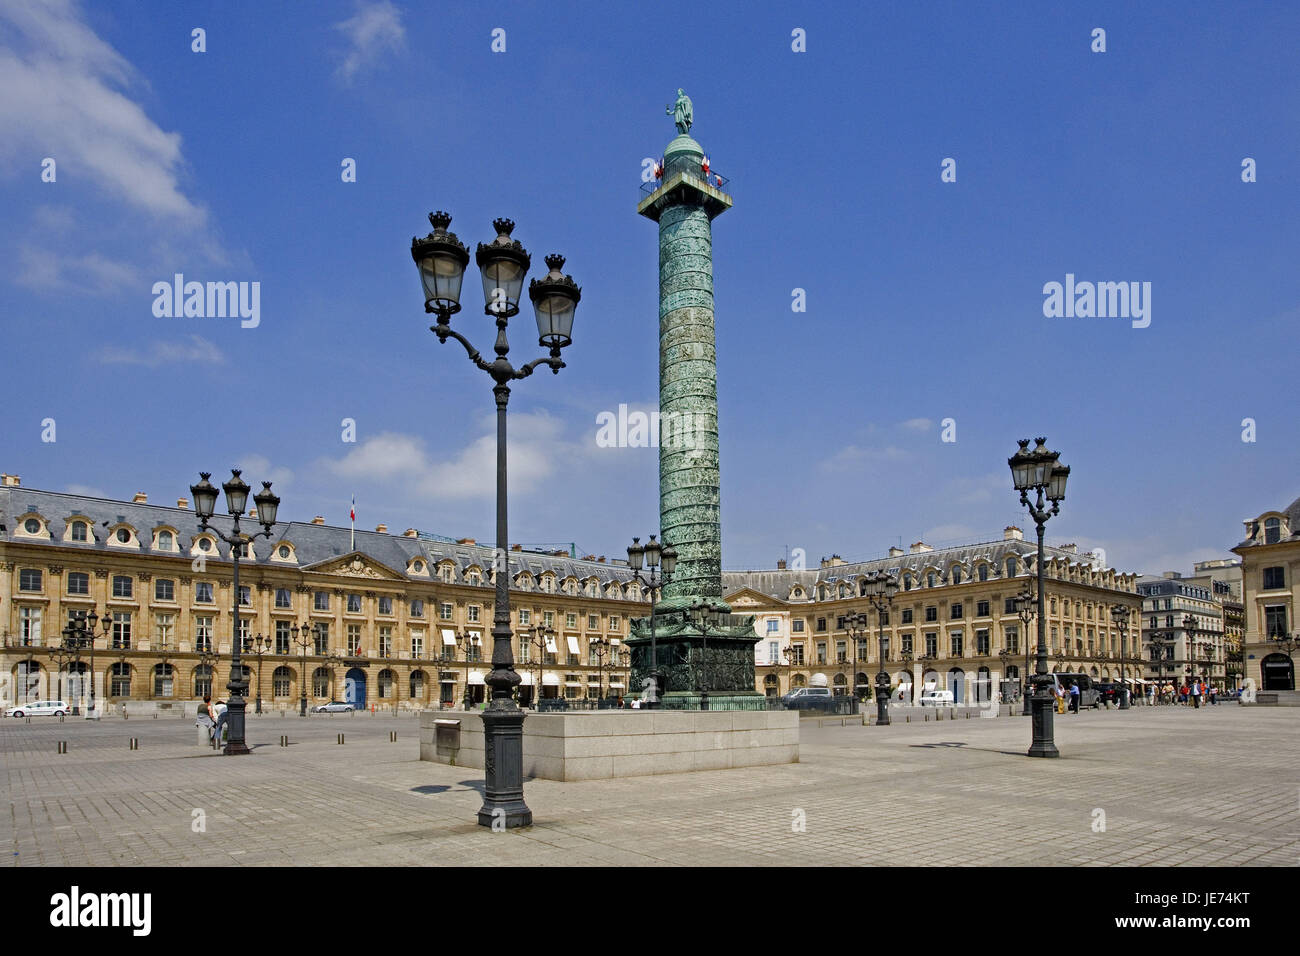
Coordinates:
[1182,630]
[1270,562]
[398,621]
[949,623]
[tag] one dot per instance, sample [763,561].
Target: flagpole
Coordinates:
[353,515]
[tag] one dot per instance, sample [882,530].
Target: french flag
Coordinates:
[353,513]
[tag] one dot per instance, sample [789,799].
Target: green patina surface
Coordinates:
[689,500]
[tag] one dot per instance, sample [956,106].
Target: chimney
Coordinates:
[895,552]
[589,557]
[466,541]
[319,519]
[1071,548]
[410,533]
[516,547]
[140,498]
[183,503]
[381,529]
[1172,575]
[601,559]
[10,481]
[559,553]
[1012,533]
[780,564]
[919,546]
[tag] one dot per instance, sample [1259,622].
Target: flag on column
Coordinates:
[352,515]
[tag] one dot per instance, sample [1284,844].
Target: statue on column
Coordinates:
[682,112]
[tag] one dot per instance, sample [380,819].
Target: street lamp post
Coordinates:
[701,612]
[1039,471]
[1189,626]
[1026,608]
[650,556]
[81,633]
[1004,655]
[1120,615]
[599,647]
[907,657]
[304,637]
[1158,644]
[542,638]
[59,653]
[855,626]
[441,259]
[881,588]
[260,645]
[205,504]
[789,654]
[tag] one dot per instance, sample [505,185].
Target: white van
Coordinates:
[41,708]
[937,698]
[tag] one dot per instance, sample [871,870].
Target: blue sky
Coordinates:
[924,298]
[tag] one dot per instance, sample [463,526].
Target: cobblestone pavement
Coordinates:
[1174,786]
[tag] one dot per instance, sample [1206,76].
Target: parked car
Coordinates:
[1088,694]
[41,708]
[937,698]
[1108,692]
[334,707]
[802,698]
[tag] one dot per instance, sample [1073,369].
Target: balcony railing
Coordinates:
[711,179]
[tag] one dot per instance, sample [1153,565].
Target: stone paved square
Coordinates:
[1177,786]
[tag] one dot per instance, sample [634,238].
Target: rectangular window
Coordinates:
[203,592]
[385,642]
[29,623]
[1009,606]
[121,634]
[283,636]
[593,622]
[932,643]
[164,590]
[907,644]
[385,605]
[444,611]
[773,626]
[29,579]
[354,640]
[796,626]
[548,619]
[615,622]
[981,608]
[931,614]
[120,681]
[525,649]
[1274,578]
[245,596]
[283,598]
[570,620]
[798,654]
[1275,621]
[321,601]
[78,582]
[955,612]
[982,642]
[321,634]
[839,623]
[907,615]
[821,652]
[955,641]
[473,613]
[417,607]
[525,617]
[417,643]
[122,586]
[884,618]
[841,652]
[164,629]
[1013,640]
[774,652]
[354,603]
[821,624]
[203,633]
[245,634]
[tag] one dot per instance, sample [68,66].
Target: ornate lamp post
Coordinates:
[1039,471]
[442,259]
[82,633]
[473,652]
[1120,615]
[59,653]
[205,503]
[701,613]
[907,664]
[260,645]
[600,647]
[788,653]
[1189,625]
[855,625]
[924,661]
[650,556]
[1026,609]
[1004,655]
[881,588]
[304,636]
[1158,644]
[543,637]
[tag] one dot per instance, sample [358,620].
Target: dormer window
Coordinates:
[1272,530]
[929,579]
[205,544]
[284,551]
[79,531]
[165,541]
[417,567]
[956,574]
[123,536]
[32,526]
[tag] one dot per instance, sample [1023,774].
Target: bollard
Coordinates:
[392,736]
[60,718]
[63,746]
[340,738]
[155,716]
[968,715]
[284,740]
[204,738]
[28,719]
[135,743]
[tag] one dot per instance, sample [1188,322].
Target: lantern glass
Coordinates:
[669,559]
[652,552]
[267,504]
[503,282]
[236,490]
[441,274]
[1022,464]
[1056,483]
[555,313]
[205,496]
[636,555]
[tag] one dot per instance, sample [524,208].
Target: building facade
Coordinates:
[1270,562]
[952,623]
[396,621]
[1182,631]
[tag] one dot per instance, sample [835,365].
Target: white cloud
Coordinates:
[257,469]
[375,29]
[88,490]
[194,349]
[63,99]
[917,424]
[855,456]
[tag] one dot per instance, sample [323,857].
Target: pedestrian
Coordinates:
[1196,694]
[204,716]
[1214,694]
[222,712]
[1074,698]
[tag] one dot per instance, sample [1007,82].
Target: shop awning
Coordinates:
[448,636]
[616,683]
[476,677]
[550,680]
[573,644]
[573,683]
[550,645]
[614,640]
[526,678]
[447,677]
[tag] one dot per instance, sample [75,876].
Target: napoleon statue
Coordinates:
[682,112]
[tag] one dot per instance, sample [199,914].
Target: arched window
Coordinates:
[771,686]
[164,540]
[984,572]
[320,682]
[29,681]
[119,684]
[281,681]
[162,680]
[417,685]
[956,574]
[385,682]
[79,530]
[1272,530]
[907,582]
[929,579]
[800,680]
[203,681]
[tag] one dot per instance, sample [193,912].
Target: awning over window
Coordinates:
[550,680]
[448,636]
[614,640]
[616,683]
[550,646]
[526,678]
[573,644]
[447,677]
[573,683]
[476,677]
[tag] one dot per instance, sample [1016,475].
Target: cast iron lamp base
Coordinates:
[1042,745]
[503,762]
